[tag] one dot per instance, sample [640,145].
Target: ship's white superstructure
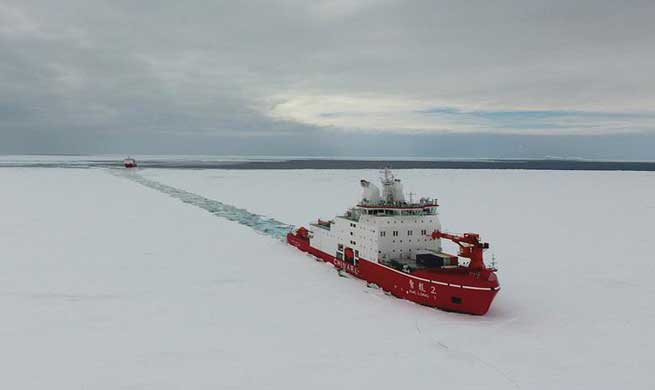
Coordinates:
[381,227]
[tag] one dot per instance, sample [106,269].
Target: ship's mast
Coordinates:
[387,180]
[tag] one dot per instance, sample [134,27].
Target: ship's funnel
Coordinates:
[370,193]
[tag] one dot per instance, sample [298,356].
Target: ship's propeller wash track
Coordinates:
[268,226]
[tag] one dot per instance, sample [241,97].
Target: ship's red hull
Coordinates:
[459,290]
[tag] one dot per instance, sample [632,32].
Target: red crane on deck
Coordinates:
[470,246]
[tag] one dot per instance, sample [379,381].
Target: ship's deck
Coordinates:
[411,265]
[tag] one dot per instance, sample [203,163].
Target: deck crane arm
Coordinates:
[470,246]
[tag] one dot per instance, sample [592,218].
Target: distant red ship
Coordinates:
[129,163]
[396,245]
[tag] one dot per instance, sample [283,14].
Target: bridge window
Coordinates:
[383,234]
[409,232]
[395,233]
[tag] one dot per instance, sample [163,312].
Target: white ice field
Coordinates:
[108,284]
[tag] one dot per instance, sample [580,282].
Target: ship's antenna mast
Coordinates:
[387,185]
[387,176]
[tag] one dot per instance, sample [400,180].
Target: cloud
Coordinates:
[393,115]
[167,73]
[13,22]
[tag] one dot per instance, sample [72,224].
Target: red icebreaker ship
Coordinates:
[396,245]
[129,163]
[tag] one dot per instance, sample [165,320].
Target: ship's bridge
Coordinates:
[391,200]
[425,207]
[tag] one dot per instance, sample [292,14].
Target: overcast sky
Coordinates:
[373,77]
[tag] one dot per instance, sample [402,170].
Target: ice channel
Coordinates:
[268,226]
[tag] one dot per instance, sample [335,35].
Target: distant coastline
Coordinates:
[556,165]
[326,163]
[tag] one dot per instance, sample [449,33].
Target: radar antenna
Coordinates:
[387,180]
